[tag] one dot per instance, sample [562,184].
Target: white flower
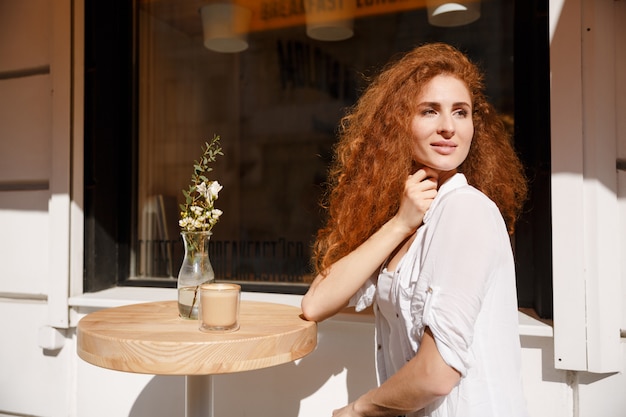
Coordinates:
[197,211]
[185,221]
[202,189]
[213,190]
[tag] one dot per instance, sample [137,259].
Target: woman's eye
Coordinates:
[461,113]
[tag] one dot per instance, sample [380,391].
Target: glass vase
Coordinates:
[196,269]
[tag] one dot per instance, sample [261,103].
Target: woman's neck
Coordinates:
[445,176]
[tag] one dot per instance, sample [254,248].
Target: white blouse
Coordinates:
[458,279]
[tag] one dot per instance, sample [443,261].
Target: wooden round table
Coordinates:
[150,338]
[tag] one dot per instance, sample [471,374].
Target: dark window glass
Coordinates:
[156,93]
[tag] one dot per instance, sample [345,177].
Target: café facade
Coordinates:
[104,106]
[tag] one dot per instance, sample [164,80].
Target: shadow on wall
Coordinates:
[337,372]
[162,396]
[544,345]
[545,348]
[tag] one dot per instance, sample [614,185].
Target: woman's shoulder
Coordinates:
[460,192]
[469,193]
[468,204]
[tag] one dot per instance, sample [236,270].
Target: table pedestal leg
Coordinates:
[198,396]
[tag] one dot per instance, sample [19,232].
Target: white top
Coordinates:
[458,279]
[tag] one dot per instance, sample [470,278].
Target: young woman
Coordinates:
[424,188]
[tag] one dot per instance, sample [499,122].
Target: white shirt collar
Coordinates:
[458,180]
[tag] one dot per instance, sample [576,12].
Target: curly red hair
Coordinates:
[374,154]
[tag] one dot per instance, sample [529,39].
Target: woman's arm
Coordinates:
[421,381]
[473,230]
[331,292]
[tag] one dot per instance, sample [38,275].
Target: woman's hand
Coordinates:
[420,189]
[347,411]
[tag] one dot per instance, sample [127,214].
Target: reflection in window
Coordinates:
[276,106]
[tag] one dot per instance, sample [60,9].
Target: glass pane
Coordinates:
[276,106]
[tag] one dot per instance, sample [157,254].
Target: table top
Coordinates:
[150,338]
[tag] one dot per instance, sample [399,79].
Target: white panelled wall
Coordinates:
[575,369]
[35,46]
[586,241]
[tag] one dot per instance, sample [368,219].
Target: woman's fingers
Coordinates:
[419,192]
[424,173]
[422,185]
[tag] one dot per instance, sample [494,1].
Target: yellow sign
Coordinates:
[273,14]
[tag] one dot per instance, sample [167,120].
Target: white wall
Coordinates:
[25,145]
[28,36]
[35,288]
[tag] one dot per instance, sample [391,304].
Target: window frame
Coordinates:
[110,146]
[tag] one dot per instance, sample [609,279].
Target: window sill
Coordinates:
[119,296]
[529,325]
[532,326]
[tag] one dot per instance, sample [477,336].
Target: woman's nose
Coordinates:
[446,127]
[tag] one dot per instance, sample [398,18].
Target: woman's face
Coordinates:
[442,126]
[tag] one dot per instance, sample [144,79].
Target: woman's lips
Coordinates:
[444,148]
